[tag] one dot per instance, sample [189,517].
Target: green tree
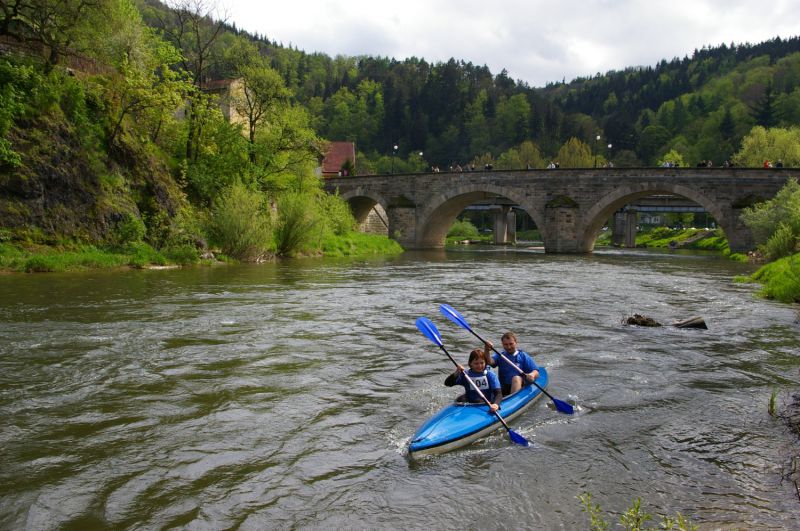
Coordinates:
[61,26]
[513,115]
[575,154]
[772,144]
[652,140]
[764,219]
[672,156]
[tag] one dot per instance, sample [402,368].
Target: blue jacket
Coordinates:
[521,359]
[486,381]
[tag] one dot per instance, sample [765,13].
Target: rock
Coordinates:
[640,320]
[692,322]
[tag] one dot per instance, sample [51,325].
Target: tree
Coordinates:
[772,144]
[575,154]
[764,111]
[257,94]
[652,139]
[190,25]
[144,83]
[60,26]
[765,219]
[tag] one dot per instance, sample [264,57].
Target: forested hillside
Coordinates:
[456,112]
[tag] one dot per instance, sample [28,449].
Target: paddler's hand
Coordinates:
[459,368]
[488,345]
[493,407]
[531,376]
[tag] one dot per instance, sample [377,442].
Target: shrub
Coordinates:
[241,224]
[297,215]
[782,243]
[129,229]
[463,229]
[183,254]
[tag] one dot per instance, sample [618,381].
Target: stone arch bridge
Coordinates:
[569,206]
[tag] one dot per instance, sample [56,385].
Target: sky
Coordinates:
[536,41]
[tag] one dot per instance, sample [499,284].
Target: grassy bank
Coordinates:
[79,257]
[780,279]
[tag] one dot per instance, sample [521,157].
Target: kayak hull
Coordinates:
[459,424]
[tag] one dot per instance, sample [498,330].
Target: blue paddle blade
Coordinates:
[452,314]
[517,438]
[429,330]
[563,406]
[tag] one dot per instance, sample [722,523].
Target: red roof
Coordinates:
[337,153]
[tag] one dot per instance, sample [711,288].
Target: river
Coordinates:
[283,396]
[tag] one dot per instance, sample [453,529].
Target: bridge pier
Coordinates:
[505,226]
[624,230]
[561,235]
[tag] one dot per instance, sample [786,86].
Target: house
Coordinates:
[223,89]
[335,156]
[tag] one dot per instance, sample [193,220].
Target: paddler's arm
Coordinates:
[451,379]
[487,353]
[532,375]
[498,397]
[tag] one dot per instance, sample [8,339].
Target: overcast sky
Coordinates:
[536,41]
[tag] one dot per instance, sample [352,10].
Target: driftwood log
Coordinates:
[642,320]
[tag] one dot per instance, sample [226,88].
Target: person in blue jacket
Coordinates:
[511,379]
[483,377]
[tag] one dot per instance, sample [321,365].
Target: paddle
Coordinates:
[452,314]
[431,332]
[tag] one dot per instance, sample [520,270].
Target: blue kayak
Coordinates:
[460,424]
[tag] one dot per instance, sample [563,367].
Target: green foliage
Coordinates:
[773,399]
[671,157]
[781,279]
[633,519]
[185,254]
[575,154]
[241,224]
[782,243]
[129,229]
[764,219]
[463,230]
[336,214]
[297,218]
[359,244]
[596,521]
[770,144]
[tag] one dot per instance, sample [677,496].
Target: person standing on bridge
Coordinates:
[521,373]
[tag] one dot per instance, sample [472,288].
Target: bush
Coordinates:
[463,230]
[782,243]
[241,224]
[297,216]
[183,254]
[129,229]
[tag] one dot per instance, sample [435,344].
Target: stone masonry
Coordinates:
[569,206]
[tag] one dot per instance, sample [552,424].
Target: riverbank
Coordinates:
[37,258]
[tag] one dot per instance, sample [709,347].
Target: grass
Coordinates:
[780,279]
[39,259]
[359,244]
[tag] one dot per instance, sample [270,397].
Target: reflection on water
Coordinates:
[283,395]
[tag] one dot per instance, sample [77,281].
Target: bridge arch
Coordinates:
[598,214]
[369,209]
[436,215]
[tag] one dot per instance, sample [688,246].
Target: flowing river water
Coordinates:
[283,396]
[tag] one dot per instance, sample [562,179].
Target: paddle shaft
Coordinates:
[477,389]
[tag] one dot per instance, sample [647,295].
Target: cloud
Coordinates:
[536,41]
